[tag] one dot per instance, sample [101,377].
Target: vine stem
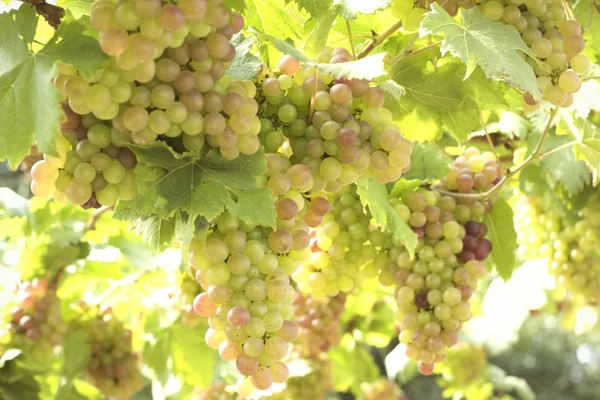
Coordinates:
[409,53]
[535,155]
[350,38]
[405,51]
[378,39]
[314,95]
[51,13]
[91,225]
[589,78]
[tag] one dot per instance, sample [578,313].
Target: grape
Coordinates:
[288,65]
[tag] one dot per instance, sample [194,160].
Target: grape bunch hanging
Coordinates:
[113,365]
[165,81]
[569,244]
[33,320]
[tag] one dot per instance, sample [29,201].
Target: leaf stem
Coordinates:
[409,53]
[350,38]
[51,13]
[127,280]
[559,148]
[405,51]
[487,135]
[378,39]
[535,155]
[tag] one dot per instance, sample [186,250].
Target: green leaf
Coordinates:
[402,187]
[369,67]
[28,101]
[9,355]
[77,7]
[502,234]
[155,230]
[392,88]
[13,204]
[245,65]
[350,8]
[193,360]
[477,41]
[238,5]
[274,18]
[317,31]
[352,366]
[316,8]
[201,186]
[375,196]
[156,348]
[77,353]
[588,147]
[563,167]
[284,46]
[427,162]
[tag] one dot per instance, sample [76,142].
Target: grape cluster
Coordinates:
[339,248]
[338,129]
[35,319]
[319,323]
[433,290]
[165,80]
[314,385]
[113,367]
[381,389]
[465,364]
[187,290]
[297,211]
[569,245]
[555,40]
[248,299]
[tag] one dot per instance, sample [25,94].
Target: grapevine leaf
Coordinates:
[374,195]
[77,7]
[477,41]
[196,370]
[238,5]
[200,186]
[284,46]
[13,204]
[155,230]
[77,353]
[9,355]
[245,65]
[255,206]
[369,67]
[588,147]
[351,366]
[404,186]
[28,100]
[427,162]
[317,31]
[350,8]
[392,88]
[563,167]
[156,347]
[316,8]
[502,234]
[274,18]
